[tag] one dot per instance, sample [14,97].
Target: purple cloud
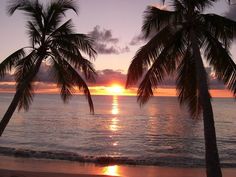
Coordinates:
[137,40]
[105,43]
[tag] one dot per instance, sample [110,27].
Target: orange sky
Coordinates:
[112,89]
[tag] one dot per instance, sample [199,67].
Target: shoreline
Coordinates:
[30,167]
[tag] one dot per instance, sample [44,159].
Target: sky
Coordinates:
[115,24]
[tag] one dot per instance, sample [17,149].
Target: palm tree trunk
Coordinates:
[213,168]
[19,92]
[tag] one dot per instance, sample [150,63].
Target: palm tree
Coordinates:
[51,41]
[178,37]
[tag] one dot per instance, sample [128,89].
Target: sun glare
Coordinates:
[115,90]
[111,170]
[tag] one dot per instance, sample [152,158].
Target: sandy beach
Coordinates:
[23,167]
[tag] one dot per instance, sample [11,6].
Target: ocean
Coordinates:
[120,132]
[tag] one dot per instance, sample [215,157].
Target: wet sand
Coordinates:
[24,167]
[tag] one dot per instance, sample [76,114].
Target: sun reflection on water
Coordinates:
[114,121]
[115,106]
[113,125]
[115,110]
[111,170]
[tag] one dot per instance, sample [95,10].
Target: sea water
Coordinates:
[121,132]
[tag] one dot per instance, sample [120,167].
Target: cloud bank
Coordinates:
[105,77]
[137,40]
[105,42]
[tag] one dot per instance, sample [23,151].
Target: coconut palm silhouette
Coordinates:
[177,39]
[51,41]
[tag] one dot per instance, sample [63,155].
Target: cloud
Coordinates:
[137,40]
[109,76]
[140,39]
[44,75]
[8,78]
[104,77]
[103,35]
[105,43]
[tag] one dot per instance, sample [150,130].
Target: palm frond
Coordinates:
[220,27]
[56,10]
[24,68]
[155,19]
[81,84]
[200,4]
[32,9]
[166,63]
[10,61]
[68,78]
[83,42]
[146,55]
[64,79]
[65,28]
[34,34]
[187,85]
[79,62]
[27,96]
[179,6]
[61,6]
[221,61]
[24,65]
[75,43]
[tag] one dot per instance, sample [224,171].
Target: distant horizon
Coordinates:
[107,91]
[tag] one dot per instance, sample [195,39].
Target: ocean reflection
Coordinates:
[115,106]
[111,170]
[115,110]
[113,125]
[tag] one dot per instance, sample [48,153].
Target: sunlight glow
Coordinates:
[111,170]
[115,89]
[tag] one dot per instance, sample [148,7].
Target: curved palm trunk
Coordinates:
[213,168]
[11,109]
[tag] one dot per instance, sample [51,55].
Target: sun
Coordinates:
[115,89]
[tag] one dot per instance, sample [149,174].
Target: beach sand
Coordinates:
[26,167]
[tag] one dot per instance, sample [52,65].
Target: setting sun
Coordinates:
[115,90]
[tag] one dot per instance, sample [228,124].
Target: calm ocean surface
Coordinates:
[160,133]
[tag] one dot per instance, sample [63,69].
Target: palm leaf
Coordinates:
[146,55]
[165,63]
[55,11]
[74,43]
[63,80]
[83,42]
[68,78]
[156,19]
[79,62]
[81,84]
[220,59]
[220,27]
[24,68]
[187,85]
[33,9]
[10,61]
[199,4]
[65,28]
[34,34]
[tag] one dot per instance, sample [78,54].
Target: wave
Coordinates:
[170,161]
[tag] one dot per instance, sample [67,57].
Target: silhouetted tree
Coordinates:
[51,41]
[179,36]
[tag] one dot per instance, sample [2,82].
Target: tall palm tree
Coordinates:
[179,37]
[51,41]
